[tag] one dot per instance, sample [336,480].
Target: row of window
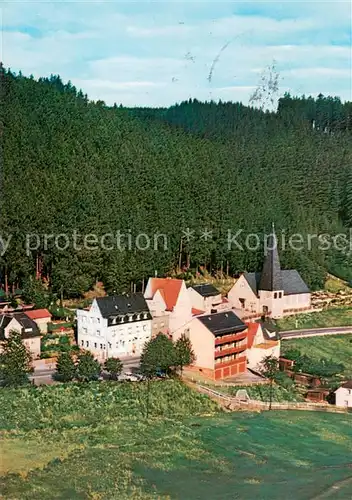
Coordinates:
[89,319]
[103,346]
[117,320]
[129,330]
[129,317]
[278,295]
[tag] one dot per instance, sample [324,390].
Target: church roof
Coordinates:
[292,282]
[271,278]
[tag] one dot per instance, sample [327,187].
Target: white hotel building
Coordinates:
[115,326]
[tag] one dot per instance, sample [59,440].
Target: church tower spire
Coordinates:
[271,279]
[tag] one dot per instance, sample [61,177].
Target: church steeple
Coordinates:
[271,279]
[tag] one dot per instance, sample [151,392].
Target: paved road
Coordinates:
[312,332]
[44,376]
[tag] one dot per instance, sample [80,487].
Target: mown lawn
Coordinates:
[341,316]
[94,441]
[335,347]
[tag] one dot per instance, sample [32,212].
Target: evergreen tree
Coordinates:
[106,169]
[184,353]
[65,367]
[15,361]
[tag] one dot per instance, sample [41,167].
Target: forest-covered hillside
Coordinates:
[69,164]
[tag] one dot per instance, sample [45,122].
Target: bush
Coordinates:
[282,379]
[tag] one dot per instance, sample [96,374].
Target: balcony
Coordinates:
[230,338]
[230,350]
[224,364]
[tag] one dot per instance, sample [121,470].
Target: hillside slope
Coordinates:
[95,441]
[74,165]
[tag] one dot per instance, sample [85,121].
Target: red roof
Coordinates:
[169,289]
[196,312]
[38,314]
[252,332]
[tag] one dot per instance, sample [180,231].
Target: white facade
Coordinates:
[241,296]
[112,338]
[166,296]
[343,396]
[275,303]
[206,304]
[33,344]
[258,352]
[182,312]
[297,301]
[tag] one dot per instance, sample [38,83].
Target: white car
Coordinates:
[128,376]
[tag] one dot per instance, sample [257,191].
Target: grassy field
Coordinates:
[335,347]
[261,392]
[334,284]
[95,442]
[329,317]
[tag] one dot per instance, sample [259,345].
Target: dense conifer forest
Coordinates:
[73,165]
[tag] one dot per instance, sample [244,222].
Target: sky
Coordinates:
[143,53]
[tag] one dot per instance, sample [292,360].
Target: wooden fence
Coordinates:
[232,403]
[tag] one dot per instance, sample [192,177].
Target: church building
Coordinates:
[273,292]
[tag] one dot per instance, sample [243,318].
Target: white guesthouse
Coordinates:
[115,326]
[343,395]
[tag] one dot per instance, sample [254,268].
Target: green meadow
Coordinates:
[95,441]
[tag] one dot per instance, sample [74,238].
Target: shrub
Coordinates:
[282,379]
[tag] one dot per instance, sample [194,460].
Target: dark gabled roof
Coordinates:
[221,323]
[271,278]
[29,327]
[292,282]
[270,330]
[347,385]
[206,290]
[253,281]
[4,321]
[118,305]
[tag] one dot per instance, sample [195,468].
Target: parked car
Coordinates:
[140,376]
[128,377]
[160,374]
